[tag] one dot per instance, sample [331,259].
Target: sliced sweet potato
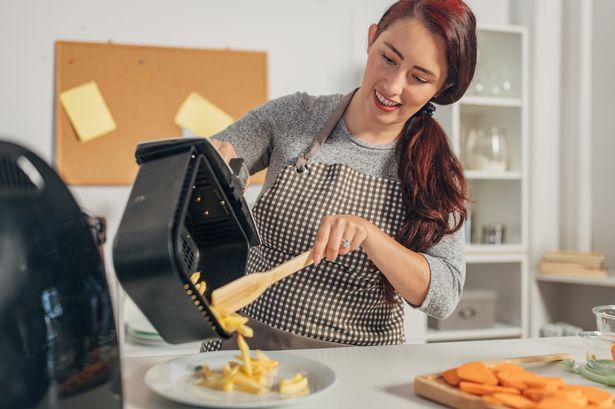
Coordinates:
[514,401]
[451,377]
[613,351]
[491,399]
[513,379]
[477,372]
[548,383]
[531,379]
[557,403]
[598,397]
[573,396]
[507,367]
[482,389]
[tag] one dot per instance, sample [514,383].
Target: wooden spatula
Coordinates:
[241,292]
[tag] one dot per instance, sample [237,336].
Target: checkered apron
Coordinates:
[332,303]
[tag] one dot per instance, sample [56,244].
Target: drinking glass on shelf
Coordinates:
[478,86]
[495,85]
[490,151]
[469,147]
[493,233]
[506,82]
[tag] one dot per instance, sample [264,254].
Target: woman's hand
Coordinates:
[339,235]
[227,151]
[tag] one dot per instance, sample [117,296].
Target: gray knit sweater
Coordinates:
[276,133]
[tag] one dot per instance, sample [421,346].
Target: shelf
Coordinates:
[595,281]
[474,258]
[493,175]
[491,101]
[499,330]
[472,249]
[502,28]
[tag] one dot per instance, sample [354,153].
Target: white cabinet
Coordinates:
[498,189]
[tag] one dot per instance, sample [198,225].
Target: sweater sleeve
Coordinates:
[252,138]
[447,268]
[254,135]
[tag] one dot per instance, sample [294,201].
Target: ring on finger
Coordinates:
[346,243]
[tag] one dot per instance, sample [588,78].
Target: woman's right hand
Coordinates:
[227,151]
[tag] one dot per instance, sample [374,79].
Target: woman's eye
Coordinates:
[419,79]
[387,59]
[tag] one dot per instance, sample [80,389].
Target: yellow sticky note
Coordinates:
[201,116]
[87,111]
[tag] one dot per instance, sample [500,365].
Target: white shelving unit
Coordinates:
[499,330]
[589,281]
[498,97]
[563,298]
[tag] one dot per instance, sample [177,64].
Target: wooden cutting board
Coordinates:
[433,386]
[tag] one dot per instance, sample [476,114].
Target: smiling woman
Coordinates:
[368,183]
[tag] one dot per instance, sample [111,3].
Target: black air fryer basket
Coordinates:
[186,214]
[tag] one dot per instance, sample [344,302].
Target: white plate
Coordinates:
[175,380]
[142,326]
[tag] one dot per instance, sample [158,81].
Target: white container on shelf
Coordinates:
[475,310]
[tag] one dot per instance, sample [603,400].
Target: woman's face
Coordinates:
[406,67]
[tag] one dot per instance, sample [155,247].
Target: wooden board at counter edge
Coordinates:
[144,87]
[434,388]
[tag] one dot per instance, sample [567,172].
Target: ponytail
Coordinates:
[433,187]
[432,182]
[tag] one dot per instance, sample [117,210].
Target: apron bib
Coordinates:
[334,303]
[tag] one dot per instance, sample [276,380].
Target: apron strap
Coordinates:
[325,131]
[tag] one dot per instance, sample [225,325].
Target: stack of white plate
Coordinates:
[140,331]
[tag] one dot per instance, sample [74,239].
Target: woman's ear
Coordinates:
[371,35]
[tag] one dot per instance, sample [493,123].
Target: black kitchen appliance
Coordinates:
[185,222]
[58,345]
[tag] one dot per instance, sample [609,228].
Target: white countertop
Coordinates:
[374,377]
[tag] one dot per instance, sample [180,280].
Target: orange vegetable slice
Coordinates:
[491,399]
[507,367]
[481,389]
[557,403]
[573,396]
[513,379]
[598,397]
[514,401]
[536,381]
[451,377]
[477,372]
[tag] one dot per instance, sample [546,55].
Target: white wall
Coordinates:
[544,20]
[316,46]
[603,130]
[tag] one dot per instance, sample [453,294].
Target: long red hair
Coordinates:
[433,185]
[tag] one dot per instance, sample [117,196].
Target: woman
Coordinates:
[369,183]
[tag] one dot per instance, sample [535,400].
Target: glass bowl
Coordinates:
[605,318]
[599,351]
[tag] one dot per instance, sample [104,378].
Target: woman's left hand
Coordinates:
[339,235]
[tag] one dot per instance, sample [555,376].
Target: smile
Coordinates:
[382,100]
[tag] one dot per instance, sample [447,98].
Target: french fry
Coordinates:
[250,374]
[195,277]
[298,384]
[201,286]
[232,322]
[245,353]
[249,384]
[206,371]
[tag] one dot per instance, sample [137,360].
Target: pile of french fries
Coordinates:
[252,374]
[199,284]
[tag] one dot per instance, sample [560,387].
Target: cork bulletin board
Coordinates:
[144,86]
